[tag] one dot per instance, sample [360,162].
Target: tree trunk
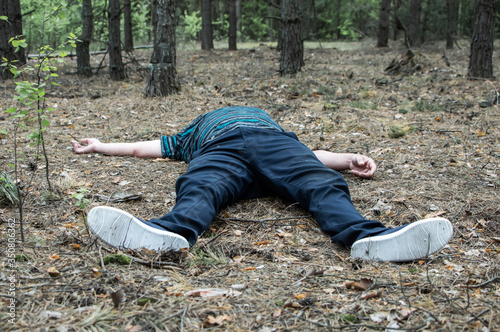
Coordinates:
[481,48]
[12,28]
[395,19]
[383,23]
[292,50]
[116,67]
[452,11]
[238,15]
[414,34]
[207,39]
[162,80]
[82,46]
[232,33]
[337,19]
[271,23]
[127,26]
[154,18]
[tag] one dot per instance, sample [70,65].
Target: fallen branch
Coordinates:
[483,284]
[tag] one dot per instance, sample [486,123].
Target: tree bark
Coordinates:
[12,28]
[154,18]
[383,23]
[207,39]
[82,46]
[127,26]
[452,11]
[238,15]
[116,67]
[395,19]
[233,21]
[414,34]
[481,49]
[337,19]
[292,50]
[162,80]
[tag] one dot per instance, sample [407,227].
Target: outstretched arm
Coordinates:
[145,149]
[359,164]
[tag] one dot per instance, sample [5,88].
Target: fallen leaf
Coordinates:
[248,269]
[378,317]
[261,243]
[55,257]
[435,214]
[371,294]
[53,272]
[75,246]
[219,320]
[95,272]
[118,297]
[299,296]
[276,313]
[133,328]
[291,304]
[212,292]
[238,259]
[363,284]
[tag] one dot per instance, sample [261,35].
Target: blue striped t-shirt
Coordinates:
[210,126]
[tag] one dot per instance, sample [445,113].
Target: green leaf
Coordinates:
[4,18]
[41,92]
[11,110]
[72,35]
[54,75]
[62,16]
[45,123]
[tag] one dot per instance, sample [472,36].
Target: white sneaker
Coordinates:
[122,230]
[405,243]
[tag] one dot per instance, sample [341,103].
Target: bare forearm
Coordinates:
[359,164]
[336,161]
[145,149]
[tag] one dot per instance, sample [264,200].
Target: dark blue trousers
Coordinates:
[250,162]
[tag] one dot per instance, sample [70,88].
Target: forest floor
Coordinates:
[264,265]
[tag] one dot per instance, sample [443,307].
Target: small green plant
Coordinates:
[22,258]
[29,112]
[396,130]
[348,318]
[81,201]
[8,190]
[425,106]
[363,104]
[117,259]
[206,257]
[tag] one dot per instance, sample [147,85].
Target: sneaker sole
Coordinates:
[417,240]
[122,230]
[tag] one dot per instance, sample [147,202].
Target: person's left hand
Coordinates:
[362,166]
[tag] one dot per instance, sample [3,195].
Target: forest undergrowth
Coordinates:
[263,265]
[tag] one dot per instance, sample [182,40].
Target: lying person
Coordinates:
[239,153]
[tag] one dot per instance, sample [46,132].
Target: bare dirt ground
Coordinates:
[264,265]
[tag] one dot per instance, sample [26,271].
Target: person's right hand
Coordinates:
[362,166]
[89,147]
